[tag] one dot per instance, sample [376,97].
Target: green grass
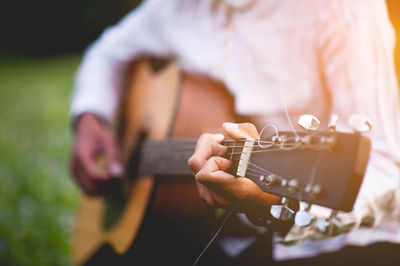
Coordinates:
[37,196]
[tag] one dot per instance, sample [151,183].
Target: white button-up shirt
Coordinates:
[303,56]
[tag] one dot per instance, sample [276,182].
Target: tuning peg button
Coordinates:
[360,123]
[332,123]
[282,212]
[308,122]
[304,218]
[322,225]
[329,226]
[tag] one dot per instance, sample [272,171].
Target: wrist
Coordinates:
[77,120]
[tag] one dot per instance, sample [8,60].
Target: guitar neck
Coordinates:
[170,157]
[320,168]
[167,157]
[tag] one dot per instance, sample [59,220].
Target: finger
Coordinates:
[212,198]
[241,130]
[213,171]
[88,185]
[114,165]
[218,201]
[208,145]
[91,169]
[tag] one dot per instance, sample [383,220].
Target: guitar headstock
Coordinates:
[319,168]
[323,168]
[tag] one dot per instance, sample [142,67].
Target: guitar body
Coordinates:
[161,104]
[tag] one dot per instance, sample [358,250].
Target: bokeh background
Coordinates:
[41,45]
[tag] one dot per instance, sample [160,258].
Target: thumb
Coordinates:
[241,130]
[114,165]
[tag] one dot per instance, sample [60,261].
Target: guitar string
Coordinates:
[283,100]
[253,171]
[153,156]
[191,144]
[227,216]
[217,232]
[190,148]
[318,160]
[314,168]
[260,171]
[263,170]
[271,148]
[156,145]
[257,171]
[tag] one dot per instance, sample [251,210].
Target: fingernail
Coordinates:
[230,126]
[219,137]
[115,169]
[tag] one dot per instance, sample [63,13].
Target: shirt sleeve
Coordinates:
[355,45]
[100,75]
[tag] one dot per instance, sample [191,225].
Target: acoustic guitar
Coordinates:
[164,111]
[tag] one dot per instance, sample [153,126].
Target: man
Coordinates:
[279,59]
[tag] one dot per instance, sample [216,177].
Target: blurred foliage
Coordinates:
[37,197]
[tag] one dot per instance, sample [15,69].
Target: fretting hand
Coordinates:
[215,185]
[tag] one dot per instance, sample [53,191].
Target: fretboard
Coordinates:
[169,157]
[320,168]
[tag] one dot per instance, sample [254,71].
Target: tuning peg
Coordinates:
[308,122]
[282,212]
[269,180]
[332,122]
[360,123]
[293,185]
[329,226]
[304,218]
[314,190]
